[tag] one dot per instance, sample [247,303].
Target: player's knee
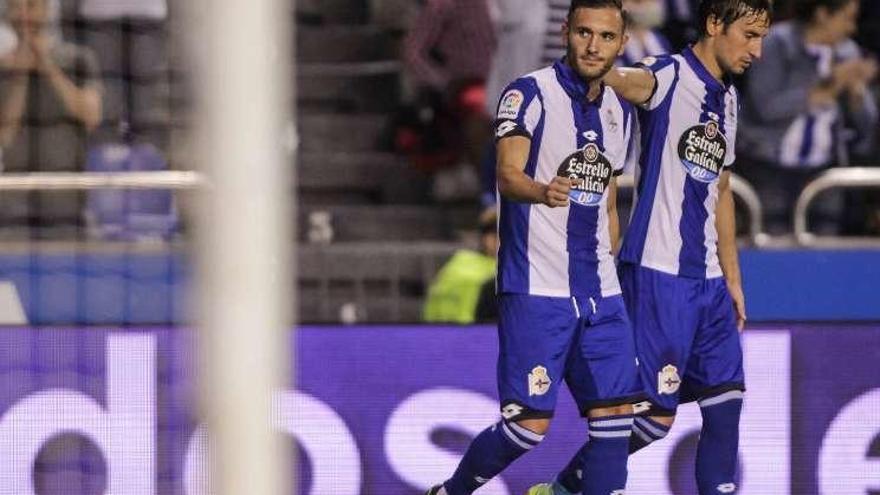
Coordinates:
[537,426]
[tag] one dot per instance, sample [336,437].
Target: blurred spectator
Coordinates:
[50,99]
[869,26]
[447,53]
[554,49]
[679,22]
[129,215]
[520,29]
[807,106]
[645,39]
[457,293]
[396,15]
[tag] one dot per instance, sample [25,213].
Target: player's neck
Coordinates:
[594,89]
[816,35]
[703,51]
[594,86]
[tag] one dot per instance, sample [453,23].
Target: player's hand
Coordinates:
[739,304]
[40,47]
[556,193]
[20,61]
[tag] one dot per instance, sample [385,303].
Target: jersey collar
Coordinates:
[572,83]
[703,73]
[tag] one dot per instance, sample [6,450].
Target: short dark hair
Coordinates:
[730,11]
[805,10]
[594,4]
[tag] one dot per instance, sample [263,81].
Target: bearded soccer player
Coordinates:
[563,137]
[678,265]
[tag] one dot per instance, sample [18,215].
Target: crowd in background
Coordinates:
[809,104]
[61,111]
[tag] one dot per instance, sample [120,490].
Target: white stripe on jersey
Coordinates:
[548,259]
[664,247]
[553,122]
[713,267]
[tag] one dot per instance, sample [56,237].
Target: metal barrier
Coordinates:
[742,190]
[100,180]
[855,177]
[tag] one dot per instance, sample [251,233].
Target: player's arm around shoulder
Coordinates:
[634,84]
[725,223]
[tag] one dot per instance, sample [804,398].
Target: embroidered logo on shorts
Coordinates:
[726,488]
[618,492]
[511,411]
[539,381]
[668,380]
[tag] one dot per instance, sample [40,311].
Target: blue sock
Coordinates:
[605,455]
[719,443]
[570,478]
[645,432]
[491,451]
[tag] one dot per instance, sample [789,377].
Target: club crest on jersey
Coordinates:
[511,103]
[539,381]
[592,169]
[668,380]
[702,149]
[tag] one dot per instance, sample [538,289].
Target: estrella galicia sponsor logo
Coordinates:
[702,149]
[593,171]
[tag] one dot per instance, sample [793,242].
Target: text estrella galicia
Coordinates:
[592,171]
[702,149]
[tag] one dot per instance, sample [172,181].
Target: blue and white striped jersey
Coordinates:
[687,138]
[562,252]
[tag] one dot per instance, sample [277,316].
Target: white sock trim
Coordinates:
[644,436]
[513,438]
[722,398]
[611,434]
[644,423]
[524,432]
[610,423]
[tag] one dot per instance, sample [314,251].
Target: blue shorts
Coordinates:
[686,336]
[547,340]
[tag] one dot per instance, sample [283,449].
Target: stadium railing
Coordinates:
[743,191]
[836,178]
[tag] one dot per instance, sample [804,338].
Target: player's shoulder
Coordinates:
[530,83]
[656,63]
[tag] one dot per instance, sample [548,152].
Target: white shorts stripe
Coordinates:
[720,399]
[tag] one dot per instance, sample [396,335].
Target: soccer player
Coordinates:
[678,264]
[562,137]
